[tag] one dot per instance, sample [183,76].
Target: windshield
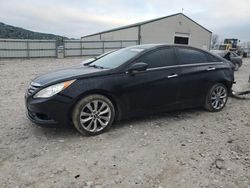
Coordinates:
[116,58]
[106,53]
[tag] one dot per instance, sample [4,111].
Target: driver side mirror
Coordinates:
[137,67]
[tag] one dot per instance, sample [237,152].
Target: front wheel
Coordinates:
[216,98]
[93,115]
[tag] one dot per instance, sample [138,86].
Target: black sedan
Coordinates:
[137,80]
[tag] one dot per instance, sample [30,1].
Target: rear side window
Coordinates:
[212,58]
[190,56]
[159,58]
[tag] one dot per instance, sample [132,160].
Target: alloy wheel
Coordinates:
[95,116]
[219,97]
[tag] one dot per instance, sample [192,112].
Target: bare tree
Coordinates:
[214,40]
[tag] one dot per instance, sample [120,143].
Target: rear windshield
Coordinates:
[117,58]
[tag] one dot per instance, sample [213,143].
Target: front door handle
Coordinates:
[210,68]
[172,75]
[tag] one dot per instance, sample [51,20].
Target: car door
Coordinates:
[157,87]
[196,68]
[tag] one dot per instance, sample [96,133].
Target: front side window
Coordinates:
[191,56]
[159,58]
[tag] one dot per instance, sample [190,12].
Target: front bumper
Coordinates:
[53,111]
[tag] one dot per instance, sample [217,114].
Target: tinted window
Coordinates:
[212,58]
[190,56]
[159,58]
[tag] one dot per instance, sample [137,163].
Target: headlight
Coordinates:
[52,90]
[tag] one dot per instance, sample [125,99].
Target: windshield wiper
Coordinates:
[96,66]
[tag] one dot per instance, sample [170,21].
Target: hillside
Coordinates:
[12,32]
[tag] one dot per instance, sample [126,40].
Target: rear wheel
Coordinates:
[93,115]
[216,98]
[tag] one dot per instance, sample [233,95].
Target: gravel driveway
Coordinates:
[190,148]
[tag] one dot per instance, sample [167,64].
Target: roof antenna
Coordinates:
[182,10]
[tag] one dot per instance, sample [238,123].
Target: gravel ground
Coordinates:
[191,148]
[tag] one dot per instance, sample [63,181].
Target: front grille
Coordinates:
[32,89]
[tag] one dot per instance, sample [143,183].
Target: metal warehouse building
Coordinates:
[176,28]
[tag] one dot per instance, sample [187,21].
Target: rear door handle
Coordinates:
[172,75]
[210,68]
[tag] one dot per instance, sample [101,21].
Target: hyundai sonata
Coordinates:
[132,81]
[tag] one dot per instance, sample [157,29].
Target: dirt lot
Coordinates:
[191,148]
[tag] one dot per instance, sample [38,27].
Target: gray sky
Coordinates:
[76,18]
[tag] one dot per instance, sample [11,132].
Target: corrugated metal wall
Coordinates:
[15,48]
[159,31]
[169,27]
[93,48]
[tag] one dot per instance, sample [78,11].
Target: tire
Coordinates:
[218,92]
[237,66]
[93,115]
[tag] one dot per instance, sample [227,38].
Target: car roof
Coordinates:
[148,46]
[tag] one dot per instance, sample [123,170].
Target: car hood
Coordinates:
[78,71]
